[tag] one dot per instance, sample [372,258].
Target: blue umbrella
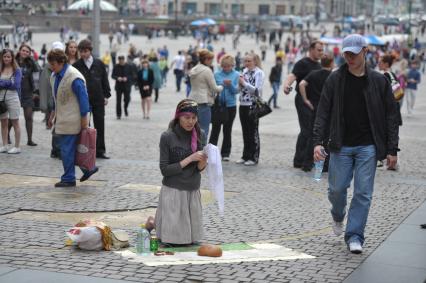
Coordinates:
[198,23]
[373,40]
[209,21]
[203,22]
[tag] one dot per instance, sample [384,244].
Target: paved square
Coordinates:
[268,203]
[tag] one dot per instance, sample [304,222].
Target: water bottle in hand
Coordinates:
[319,165]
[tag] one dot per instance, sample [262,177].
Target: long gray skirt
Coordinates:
[179,216]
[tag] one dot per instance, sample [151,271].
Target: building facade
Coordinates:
[229,8]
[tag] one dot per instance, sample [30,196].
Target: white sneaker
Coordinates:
[355,247]
[249,163]
[4,149]
[225,159]
[337,228]
[240,161]
[14,150]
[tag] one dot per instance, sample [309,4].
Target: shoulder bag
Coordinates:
[3,105]
[259,108]
[219,111]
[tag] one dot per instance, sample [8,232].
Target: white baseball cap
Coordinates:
[353,43]
[58,45]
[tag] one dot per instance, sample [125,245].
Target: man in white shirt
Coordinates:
[179,69]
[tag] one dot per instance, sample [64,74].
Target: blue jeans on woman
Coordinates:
[204,119]
[359,163]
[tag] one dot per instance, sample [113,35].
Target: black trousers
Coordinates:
[122,92]
[98,114]
[251,138]
[309,152]
[304,116]
[227,132]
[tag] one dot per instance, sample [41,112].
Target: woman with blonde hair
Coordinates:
[10,87]
[251,84]
[225,107]
[71,51]
[204,89]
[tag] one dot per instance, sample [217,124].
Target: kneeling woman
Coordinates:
[179,214]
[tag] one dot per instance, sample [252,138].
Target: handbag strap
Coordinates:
[4,95]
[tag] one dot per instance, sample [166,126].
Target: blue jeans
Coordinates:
[359,163]
[275,89]
[204,118]
[68,144]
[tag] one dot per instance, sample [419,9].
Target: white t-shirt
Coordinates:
[179,62]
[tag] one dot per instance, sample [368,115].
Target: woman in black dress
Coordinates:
[145,82]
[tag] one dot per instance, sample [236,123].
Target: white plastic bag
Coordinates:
[215,174]
[87,238]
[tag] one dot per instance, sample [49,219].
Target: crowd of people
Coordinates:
[349,114]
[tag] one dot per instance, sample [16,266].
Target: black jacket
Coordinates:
[123,71]
[381,108]
[275,75]
[148,82]
[96,81]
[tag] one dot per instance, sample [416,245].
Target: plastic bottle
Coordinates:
[318,169]
[319,165]
[143,241]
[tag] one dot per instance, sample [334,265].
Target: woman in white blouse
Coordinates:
[251,83]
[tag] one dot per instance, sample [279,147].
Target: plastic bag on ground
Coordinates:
[87,238]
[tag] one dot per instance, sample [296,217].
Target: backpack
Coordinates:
[397,89]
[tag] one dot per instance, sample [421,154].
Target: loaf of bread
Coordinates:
[210,250]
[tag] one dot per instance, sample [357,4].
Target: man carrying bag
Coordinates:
[70,113]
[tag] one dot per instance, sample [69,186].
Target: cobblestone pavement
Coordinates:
[273,202]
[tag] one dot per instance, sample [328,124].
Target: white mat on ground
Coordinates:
[260,252]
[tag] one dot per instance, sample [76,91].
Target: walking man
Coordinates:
[179,69]
[310,88]
[122,74]
[300,70]
[358,105]
[98,88]
[70,113]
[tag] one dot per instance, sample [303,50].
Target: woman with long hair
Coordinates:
[179,217]
[204,88]
[71,50]
[29,86]
[251,85]
[145,82]
[10,87]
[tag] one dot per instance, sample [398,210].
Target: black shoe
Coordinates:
[88,174]
[296,165]
[118,118]
[31,143]
[54,155]
[102,156]
[306,169]
[277,107]
[126,113]
[64,184]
